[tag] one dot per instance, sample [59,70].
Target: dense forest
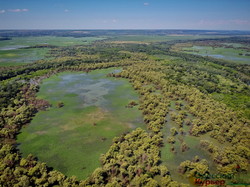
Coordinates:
[215,92]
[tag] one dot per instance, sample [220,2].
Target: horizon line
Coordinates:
[16,29]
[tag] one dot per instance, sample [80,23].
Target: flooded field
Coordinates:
[15,51]
[231,54]
[72,138]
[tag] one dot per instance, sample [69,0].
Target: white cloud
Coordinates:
[240,22]
[18,10]
[66,10]
[109,21]
[213,23]
[2,11]
[145,4]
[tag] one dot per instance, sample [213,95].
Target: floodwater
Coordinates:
[12,47]
[221,53]
[172,159]
[72,138]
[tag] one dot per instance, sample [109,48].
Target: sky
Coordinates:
[125,14]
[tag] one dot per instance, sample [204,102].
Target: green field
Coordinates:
[157,38]
[13,52]
[21,56]
[72,138]
[17,42]
[220,52]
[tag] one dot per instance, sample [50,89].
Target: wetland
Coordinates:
[72,138]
